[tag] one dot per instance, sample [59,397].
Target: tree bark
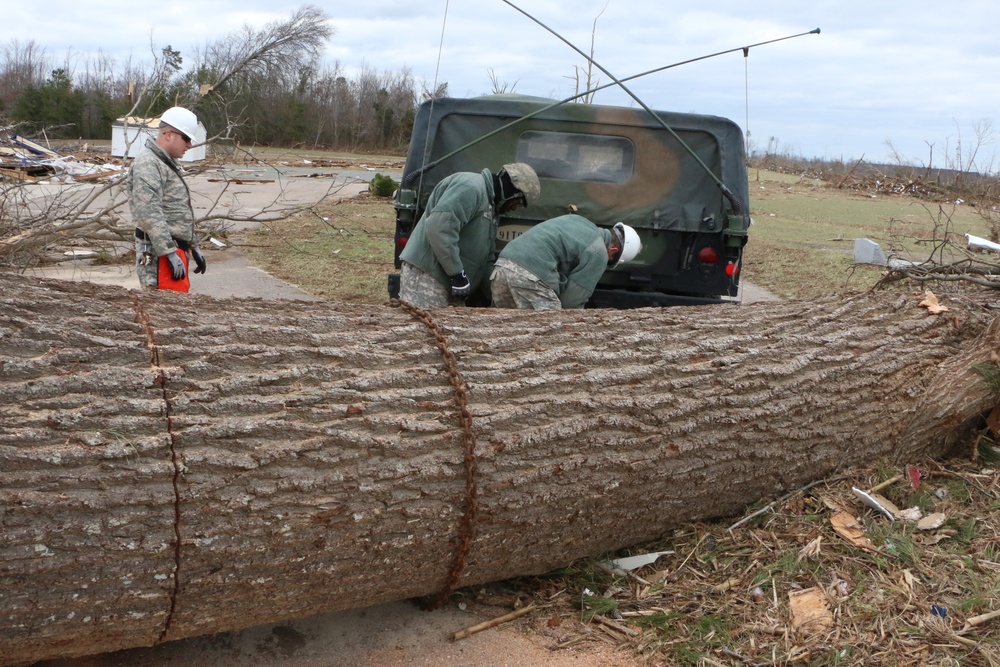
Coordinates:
[173,465]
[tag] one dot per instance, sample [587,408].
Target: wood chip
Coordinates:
[810,614]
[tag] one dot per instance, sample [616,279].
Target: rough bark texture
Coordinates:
[172,465]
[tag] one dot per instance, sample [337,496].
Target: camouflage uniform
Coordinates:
[161,210]
[422,289]
[567,255]
[516,287]
[457,232]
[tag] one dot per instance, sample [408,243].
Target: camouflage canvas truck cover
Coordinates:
[686,198]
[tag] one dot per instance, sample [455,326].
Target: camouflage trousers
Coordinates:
[422,290]
[516,287]
[146,265]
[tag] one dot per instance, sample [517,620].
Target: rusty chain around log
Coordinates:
[143,320]
[468,522]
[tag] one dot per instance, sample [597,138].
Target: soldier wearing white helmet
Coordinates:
[161,206]
[557,263]
[449,255]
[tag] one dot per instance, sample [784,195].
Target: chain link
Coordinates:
[145,322]
[467,524]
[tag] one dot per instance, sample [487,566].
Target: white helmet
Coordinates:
[182,120]
[631,245]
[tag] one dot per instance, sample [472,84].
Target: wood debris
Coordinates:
[24,160]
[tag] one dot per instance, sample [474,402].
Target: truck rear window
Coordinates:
[577,157]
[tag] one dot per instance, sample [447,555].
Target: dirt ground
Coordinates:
[396,634]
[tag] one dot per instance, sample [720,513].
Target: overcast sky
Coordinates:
[911,73]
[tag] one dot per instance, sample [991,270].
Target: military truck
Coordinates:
[678,179]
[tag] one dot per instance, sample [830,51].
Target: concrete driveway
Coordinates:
[253,196]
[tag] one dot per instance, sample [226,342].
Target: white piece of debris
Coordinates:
[876,502]
[635,562]
[216,242]
[867,251]
[80,253]
[978,242]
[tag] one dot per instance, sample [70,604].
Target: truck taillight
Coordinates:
[708,255]
[401,241]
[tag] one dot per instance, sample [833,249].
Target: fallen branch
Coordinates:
[617,627]
[976,621]
[493,622]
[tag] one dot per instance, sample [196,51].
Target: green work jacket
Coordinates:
[457,231]
[568,253]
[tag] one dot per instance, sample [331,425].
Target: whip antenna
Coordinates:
[729,194]
[408,179]
[434,90]
[746,96]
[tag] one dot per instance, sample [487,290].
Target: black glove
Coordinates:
[199,259]
[176,266]
[460,285]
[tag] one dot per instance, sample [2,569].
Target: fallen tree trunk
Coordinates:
[172,465]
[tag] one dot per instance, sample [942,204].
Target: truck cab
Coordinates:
[679,180]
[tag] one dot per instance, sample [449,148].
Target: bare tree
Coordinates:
[22,64]
[228,70]
[590,81]
[896,155]
[498,88]
[440,91]
[85,215]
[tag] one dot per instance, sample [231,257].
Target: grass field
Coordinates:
[342,251]
[801,242]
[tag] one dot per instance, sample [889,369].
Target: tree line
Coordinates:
[257,86]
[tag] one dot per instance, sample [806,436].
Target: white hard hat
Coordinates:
[631,245]
[182,120]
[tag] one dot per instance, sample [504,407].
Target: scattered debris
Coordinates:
[782,587]
[848,527]
[932,521]
[867,251]
[620,565]
[877,502]
[24,160]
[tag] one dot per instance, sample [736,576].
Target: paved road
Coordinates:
[230,274]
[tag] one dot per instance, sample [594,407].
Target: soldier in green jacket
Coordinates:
[557,263]
[160,203]
[450,252]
